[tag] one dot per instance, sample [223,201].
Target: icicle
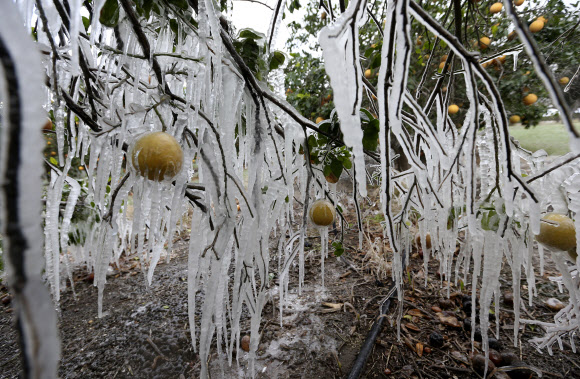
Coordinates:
[20,173]
[340,49]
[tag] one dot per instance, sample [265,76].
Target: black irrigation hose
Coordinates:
[367,347]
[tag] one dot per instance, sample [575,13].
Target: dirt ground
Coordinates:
[145,332]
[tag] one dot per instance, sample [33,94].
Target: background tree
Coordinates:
[555,39]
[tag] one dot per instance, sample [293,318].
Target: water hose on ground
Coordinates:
[367,347]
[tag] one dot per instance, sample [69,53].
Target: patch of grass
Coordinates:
[548,136]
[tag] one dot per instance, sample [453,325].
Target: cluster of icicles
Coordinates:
[240,159]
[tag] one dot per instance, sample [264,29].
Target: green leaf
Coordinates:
[277,59]
[365,115]
[347,163]
[336,167]
[53,161]
[251,34]
[338,248]
[376,61]
[173,25]
[327,170]
[86,23]
[110,14]
[371,135]
[312,141]
[294,5]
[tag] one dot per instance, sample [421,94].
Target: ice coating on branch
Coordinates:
[20,172]
[340,48]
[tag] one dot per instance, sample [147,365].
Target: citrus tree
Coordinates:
[484,30]
[167,108]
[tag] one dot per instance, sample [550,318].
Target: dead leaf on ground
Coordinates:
[419,348]
[412,327]
[448,320]
[415,312]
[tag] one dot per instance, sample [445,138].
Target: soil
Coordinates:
[145,332]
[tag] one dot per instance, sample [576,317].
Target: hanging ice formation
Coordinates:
[21,117]
[238,138]
[488,203]
[183,76]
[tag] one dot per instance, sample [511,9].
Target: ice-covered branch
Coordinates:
[21,193]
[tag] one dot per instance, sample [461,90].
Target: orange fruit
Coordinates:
[564,80]
[323,15]
[518,2]
[513,35]
[157,156]
[484,42]
[515,119]
[368,73]
[536,26]
[560,237]
[496,8]
[530,99]
[452,109]
[322,212]
[47,125]
[319,119]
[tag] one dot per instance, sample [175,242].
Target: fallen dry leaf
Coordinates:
[419,348]
[448,320]
[409,343]
[415,312]
[412,327]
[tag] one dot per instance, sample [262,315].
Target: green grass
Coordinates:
[551,137]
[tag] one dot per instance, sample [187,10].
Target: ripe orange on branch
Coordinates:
[560,234]
[536,26]
[515,119]
[484,42]
[530,99]
[496,8]
[322,212]
[564,80]
[453,108]
[157,156]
